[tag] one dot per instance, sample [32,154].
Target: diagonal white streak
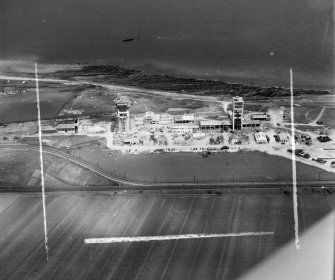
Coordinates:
[294,168]
[170,237]
[41,161]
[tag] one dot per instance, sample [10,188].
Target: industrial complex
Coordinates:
[235,128]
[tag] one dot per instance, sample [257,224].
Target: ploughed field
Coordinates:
[73,217]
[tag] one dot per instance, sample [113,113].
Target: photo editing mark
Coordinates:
[41,161]
[294,168]
[171,237]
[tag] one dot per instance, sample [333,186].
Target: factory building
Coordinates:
[122,106]
[214,125]
[238,104]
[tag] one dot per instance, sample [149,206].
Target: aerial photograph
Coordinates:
[167,139]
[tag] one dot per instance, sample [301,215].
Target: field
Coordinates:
[22,106]
[187,167]
[19,169]
[74,217]
[328,117]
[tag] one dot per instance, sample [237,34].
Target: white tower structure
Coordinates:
[123,105]
[238,104]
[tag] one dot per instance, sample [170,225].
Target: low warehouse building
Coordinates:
[251,123]
[183,128]
[211,125]
[261,117]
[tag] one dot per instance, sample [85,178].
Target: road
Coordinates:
[156,185]
[120,89]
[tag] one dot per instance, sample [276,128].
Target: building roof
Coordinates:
[185,117]
[184,126]
[260,115]
[260,136]
[251,122]
[283,136]
[238,98]
[65,125]
[122,100]
[210,123]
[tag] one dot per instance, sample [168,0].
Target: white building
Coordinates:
[190,118]
[261,117]
[260,138]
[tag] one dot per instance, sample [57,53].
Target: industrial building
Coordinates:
[151,120]
[213,125]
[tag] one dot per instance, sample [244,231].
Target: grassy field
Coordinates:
[20,168]
[72,218]
[328,117]
[187,167]
[22,107]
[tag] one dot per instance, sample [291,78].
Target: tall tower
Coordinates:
[237,112]
[123,105]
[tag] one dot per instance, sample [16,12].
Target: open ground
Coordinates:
[74,217]
[189,167]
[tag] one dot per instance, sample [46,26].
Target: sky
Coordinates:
[234,40]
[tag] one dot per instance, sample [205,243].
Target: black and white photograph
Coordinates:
[167,140]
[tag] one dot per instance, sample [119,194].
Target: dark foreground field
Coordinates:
[74,217]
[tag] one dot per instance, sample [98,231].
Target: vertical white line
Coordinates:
[294,168]
[41,161]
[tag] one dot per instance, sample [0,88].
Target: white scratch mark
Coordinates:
[41,161]
[170,237]
[294,168]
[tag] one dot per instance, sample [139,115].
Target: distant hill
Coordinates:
[128,77]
